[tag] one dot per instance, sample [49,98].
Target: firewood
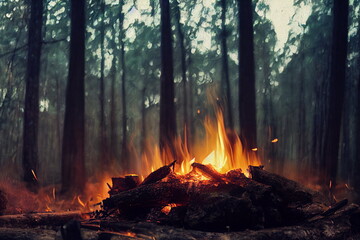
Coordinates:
[38,219]
[341,225]
[158,174]
[335,207]
[149,195]
[289,190]
[121,184]
[208,171]
[219,212]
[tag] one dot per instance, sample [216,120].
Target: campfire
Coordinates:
[221,191]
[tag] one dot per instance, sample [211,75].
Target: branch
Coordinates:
[13,50]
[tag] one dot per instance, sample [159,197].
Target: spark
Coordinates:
[33,173]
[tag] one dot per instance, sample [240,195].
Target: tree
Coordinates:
[225,68]
[113,123]
[104,160]
[124,145]
[31,110]
[184,80]
[167,95]
[73,152]
[329,158]
[247,105]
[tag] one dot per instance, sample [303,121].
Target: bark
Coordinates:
[31,109]
[124,145]
[104,161]
[302,121]
[336,88]
[225,70]
[73,153]
[167,94]
[247,106]
[113,125]
[180,34]
[143,120]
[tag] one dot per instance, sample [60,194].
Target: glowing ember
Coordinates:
[275,140]
[168,208]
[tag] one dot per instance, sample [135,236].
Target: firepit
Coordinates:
[203,204]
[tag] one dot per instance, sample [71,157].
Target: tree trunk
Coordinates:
[336,88]
[73,155]
[143,119]
[356,177]
[104,160]
[113,125]
[229,122]
[167,95]
[180,33]
[247,106]
[124,145]
[31,110]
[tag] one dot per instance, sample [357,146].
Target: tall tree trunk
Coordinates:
[180,34]
[225,69]
[356,175]
[104,160]
[31,110]
[336,88]
[113,125]
[301,130]
[247,106]
[73,154]
[167,94]
[143,119]
[124,145]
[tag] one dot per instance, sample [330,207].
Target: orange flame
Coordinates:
[221,148]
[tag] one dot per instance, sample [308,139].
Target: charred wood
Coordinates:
[38,219]
[289,190]
[149,195]
[208,171]
[121,184]
[159,174]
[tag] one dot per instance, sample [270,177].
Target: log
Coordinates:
[121,184]
[208,171]
[163,193]
[38,219]
[342,225]
[289,190]
[149,195]
[158,174]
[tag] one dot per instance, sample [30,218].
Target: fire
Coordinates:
[221,148]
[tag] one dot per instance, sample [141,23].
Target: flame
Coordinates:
[166,210]
[275,140]
[221,148]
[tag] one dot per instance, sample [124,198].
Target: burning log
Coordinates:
[208,171]
[289,190]
[159,174]
[149,195]
[121,184]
